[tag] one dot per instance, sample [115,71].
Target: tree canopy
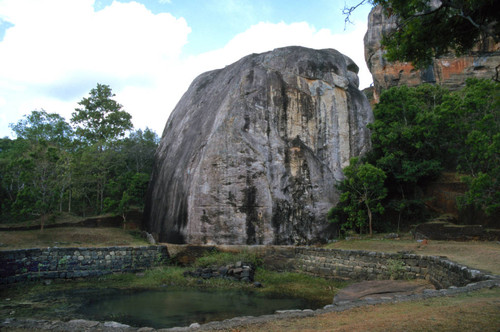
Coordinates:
[427,29]
[362,190]
[101,120]
[40,125]
[48,169]
[418,133]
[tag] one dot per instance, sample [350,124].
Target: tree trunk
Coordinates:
[42,222]
[124,216]
[69,200]
[369,218]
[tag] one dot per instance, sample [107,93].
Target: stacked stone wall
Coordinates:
[67,263]
[366,265]
[352,264]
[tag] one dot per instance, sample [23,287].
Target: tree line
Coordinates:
[86,167]
[418,133]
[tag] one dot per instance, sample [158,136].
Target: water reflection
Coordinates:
[174,307]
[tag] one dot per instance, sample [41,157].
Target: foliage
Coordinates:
[101,120]
[417,133]
[32,165]
[216,258]
[395,268]
[473,116]
[48,169]
[361,193]
[42,126]
[407,145]
[427,29]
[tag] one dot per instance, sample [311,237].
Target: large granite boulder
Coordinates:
[450,71]
[251,153]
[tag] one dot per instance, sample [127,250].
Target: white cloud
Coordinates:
[264,37]
[58,50]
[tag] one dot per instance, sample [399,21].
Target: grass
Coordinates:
[478,311]
[477,254]
[292,284]
[70,237]
[216,258]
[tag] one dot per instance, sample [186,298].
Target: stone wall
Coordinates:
[54,263]
[349,264]
[365,265]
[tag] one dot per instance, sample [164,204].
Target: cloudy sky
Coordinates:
[52,52]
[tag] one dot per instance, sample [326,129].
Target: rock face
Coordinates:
[450,71]
[251,153]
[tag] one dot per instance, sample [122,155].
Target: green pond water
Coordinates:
[168,307]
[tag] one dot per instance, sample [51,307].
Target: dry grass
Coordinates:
[479,311]
[69,237]
[480,255]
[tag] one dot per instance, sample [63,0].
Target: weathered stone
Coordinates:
[450,71]
[115,325]
[380,289]
[252,152]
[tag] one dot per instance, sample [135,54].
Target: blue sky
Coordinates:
[52,52]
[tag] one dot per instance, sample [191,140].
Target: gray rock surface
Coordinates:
[251,153]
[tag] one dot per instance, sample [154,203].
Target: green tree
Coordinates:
[38,197]
[11,182]
[42,126]
[407,145]
[100,123]
[362,191]
[427,29]
[420,131]
[32,170]
[101,119]
[139,149]
[127,189]
[472,117]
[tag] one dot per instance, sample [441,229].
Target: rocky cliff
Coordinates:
[450,71]
[251,153]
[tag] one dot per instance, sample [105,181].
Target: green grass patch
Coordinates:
[299,285]
[217,258]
